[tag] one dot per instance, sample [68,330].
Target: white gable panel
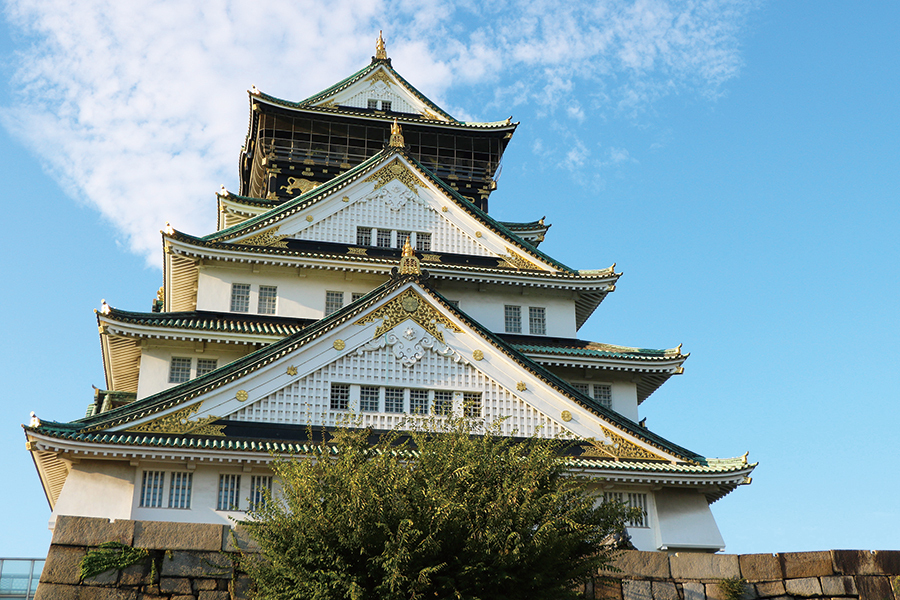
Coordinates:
[381,85]
[307,400]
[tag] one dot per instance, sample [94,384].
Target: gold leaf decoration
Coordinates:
[242,395]
[431,257]
[292,370]
[477,354]
[395,170]
[409,305]
[566,416]
[299,183]
[518,261]
[380,75]
[619,449]
[179,422]
[429,115]
[268,238]
[357,251]
[329,104]
[521,386]
[339,345]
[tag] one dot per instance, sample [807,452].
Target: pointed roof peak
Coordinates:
[396,140]
[380,50]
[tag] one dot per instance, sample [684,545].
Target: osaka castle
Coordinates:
[357,274]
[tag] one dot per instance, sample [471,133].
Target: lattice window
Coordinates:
[584,388]
[368,398]
[179,369]
[393,400]
[240,297]
[472,404]
[385,105]
[632,500]
[180,490]
[383,239]
[423,242]
[152,489]
[603,394]
[205,365]
[372,104]
[260,490]
[268,294]
[443,403]
[363,236]
[418,402]
[334,301]
[512,319]
[229,492]
[340,396]
[537,320]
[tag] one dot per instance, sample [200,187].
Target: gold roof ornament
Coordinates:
[396,140]
[380,51]
[409,264]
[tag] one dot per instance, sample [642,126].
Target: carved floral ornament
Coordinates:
[617,448]
[409,306]
[179,422]
[270,238]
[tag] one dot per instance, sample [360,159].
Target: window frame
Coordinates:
[537,320]
[331,297]
[512,318]
[175,373]
[267,301]
[240,297]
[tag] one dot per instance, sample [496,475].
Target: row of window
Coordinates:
[632,500]
[389,238]
[334,300]
[266,298]
[183,369]
[384,105]
[180,483]
[537,319]
[365,398]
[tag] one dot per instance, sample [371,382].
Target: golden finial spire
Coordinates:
[380,51]
[396,136]
[409,264]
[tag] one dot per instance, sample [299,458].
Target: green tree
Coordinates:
[432,514]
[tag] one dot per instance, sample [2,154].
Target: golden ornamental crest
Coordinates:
[409,306]
[179,422]
[619,449]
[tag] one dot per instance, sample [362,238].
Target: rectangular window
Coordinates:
[383,239]
[240,297]
[152,489]
[340,396]
[205,365]
[603,394]
[393,400]
[385,105]
[537,320]
[368,399]
[418,402]
[584,388]
[229,492]
[179,369]
[180,490]
[260,490]
[638,501]
[267,296]
[443,403]
[372,104]
[512,319]
[423,242]
[356,296]
[363,236]
[472,404]
[334,301]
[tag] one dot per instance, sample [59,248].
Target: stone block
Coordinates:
[634,563]
[863,562]
[805,586]
[664,590]
[888,561]
[760,567]
[693,590]
[241,586]
[175,585]
[636,590]
[838,586]
[714,592]
[63,565]
[797,565]
[137,574]
[209,565]
[89,531]
[191,597]
[607,589]
[157,535]
[52,591]
[238,540]
[211,595]
[204,584]
[770,589]
[874,587]
[697,565]
[108,578]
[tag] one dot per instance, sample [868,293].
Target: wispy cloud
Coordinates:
[132,105]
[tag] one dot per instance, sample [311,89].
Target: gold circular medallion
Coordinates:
[309,218]
[242,395]
[566,416]
[444,209]
[477,354]
[346,198]
[396,168]
[410,303]
[521,386]
[339,344]
[477,234]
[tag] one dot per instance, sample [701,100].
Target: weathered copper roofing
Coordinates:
[202,320]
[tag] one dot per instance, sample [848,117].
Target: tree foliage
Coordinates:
[431,514]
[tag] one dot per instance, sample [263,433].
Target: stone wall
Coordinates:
[196,562]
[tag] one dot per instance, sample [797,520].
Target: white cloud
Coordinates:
[133,106]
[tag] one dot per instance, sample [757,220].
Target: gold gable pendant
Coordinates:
[518,261]
[268,238]
[619,449]
[395,170]
[409,305]
[179,422]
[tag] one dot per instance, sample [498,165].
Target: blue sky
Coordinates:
[737,160]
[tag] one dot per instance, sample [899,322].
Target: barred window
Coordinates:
[423,242]
[512,319]
[152,489]
[268,294]
[334,301]
[383,239]
[180,490]
[632,500]
[340,396]
[472,404]
[584,388]
[537,320]
[363,236]
[229,492]
[368,399]
[260,490]
[418,402]
[372,104]
[205,365]
[443,403]
[603,394]
[385,105]
[393,400]
[179,369]
[240,297]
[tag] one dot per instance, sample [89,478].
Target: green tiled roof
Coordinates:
[593,349]
[212,321]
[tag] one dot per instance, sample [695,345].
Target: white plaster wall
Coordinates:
[624,399]
[686,522]
[154,374]
[96,489]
